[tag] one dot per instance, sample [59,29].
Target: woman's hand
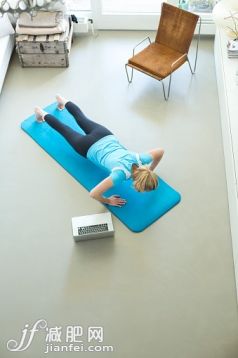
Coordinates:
[97,193]
[116,200]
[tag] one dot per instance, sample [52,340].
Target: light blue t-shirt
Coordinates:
[111,155]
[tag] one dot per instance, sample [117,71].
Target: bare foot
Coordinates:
[61,102]
[39,113]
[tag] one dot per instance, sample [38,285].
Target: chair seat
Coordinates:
[156,60]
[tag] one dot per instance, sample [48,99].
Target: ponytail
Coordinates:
[144,178]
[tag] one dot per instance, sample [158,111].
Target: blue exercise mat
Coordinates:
[141,209]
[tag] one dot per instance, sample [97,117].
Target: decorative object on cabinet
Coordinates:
[15,7]
[201,5]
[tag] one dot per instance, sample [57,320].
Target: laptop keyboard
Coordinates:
[92,229]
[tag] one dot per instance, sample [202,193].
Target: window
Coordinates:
[131,6]
[126,14]
[120,14]
[79,5]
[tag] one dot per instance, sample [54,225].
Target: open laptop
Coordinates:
[94,226]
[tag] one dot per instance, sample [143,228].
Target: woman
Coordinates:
[101,147]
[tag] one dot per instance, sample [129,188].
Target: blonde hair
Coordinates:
[144,178]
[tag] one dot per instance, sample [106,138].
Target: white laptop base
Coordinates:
[91,227]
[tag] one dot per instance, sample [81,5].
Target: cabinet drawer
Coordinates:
[44,60]
[26,47]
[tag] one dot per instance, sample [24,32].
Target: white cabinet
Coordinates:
[6,48]
[227,81]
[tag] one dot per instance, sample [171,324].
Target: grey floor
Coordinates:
[167,292]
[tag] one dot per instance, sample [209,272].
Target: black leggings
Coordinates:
[80,142]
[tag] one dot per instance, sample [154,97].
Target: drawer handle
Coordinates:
[41,47]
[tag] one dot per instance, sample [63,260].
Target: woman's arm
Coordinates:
[98,190]
[157,155]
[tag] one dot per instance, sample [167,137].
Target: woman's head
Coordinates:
[144,179]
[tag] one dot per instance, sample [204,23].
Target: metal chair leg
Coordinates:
[166,96]
[192,71]
[196,56]
[132,70]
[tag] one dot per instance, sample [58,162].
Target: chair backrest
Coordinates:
[176,28]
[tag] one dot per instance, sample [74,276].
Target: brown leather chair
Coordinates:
[170,49]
